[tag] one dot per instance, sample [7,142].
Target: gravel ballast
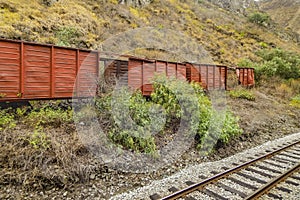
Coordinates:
[192,173]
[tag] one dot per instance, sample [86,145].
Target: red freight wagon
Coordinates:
[210,76]
[115,69]
[142,71]
[34,71]
[245,76]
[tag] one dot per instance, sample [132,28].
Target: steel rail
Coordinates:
[202,184]
[267,187]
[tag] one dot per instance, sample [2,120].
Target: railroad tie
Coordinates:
[155,197]
[213,194]
[190,183]
[259,172]
[292,183]
[173,189]
[232,190]
[242,183]
[251,177]
[273,164]
[274,196]
[267,168]
[284,189]
[296,177]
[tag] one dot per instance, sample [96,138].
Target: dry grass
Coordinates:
[64,161]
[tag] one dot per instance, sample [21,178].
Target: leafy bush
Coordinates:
[6,119]
[48,117]
[39,140]
[132,121]
[259,18]
[275,62]
[164,95]
[180,101]
[134,140]
[295,101]
[242,94]
[230,128]
[66,35]
[125,117]
[210,131]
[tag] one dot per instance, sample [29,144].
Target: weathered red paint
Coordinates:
[245,76]
[40,71]
[36,71]
[210,76]
[141,72]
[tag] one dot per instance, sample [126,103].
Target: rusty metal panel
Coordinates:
[40,71]
[195,73]
[188,72]
[181,71]
[64,71]
[161,67]
[115,69]
[210,76]
[171,70]
[10,61]
[135,74]
[222,73]
[141,72]
[251,77]
[37,63]
[148,75]
[204,75]
[86,85]
[245,76]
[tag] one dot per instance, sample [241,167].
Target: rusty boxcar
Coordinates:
[142,71]
[245,76]
[115,69]
[210,76]
[38,71]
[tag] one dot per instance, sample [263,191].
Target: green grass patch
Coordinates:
[295,101]
[7,119]
[242,93]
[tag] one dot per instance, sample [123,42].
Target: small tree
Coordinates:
[259,18]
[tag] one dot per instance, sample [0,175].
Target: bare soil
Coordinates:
[68,170]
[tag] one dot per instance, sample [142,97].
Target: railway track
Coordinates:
[267,175]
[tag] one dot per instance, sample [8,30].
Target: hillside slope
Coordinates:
[226,35]
[284,12]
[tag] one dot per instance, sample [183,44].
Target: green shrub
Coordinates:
[242,94]
[180,101]
[125,118]
[230,128]
[275,62]
[131,121]
[7,119]
[39,140]
[295,101]
[163,94]
[137,140]
[48,117]
[259,18]
[66,35]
